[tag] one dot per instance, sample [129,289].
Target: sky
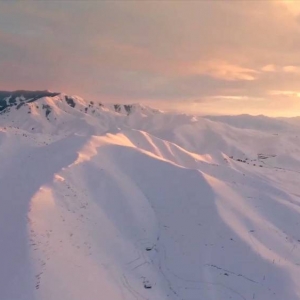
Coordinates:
[202,57]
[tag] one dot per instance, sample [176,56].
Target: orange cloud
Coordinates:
[268,68]
[291,5]
[224,70]
[291,69]
[285,93]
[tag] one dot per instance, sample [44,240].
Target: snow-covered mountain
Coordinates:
[102,201]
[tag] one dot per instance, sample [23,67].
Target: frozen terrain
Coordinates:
[114,202]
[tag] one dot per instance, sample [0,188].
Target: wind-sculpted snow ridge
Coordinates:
[106,204]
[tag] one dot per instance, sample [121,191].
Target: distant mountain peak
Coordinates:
[47,111]
[18,98]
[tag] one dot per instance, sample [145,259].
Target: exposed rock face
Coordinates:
[20,97]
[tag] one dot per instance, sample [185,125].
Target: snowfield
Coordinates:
[124,202]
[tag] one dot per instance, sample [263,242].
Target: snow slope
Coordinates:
[107,202]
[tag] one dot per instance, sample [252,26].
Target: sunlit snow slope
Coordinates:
[114,202]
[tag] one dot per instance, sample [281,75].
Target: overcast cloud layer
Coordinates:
[202,56]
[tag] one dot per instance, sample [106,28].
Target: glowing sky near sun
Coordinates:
[196,56]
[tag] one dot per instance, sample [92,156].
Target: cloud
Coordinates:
[269,68]
[285,93]
[168,51]
[224,70]
[285,69]
[291,69]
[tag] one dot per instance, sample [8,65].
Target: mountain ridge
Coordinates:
[96,202]
[9,99]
